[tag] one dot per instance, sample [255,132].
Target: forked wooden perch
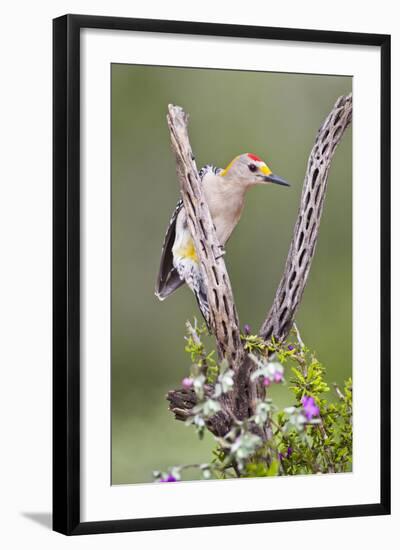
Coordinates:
[224,319]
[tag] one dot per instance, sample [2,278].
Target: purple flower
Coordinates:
[247,329]
[288,454]
[168,479]
[309,407]
[290,347]
[267,381]
[278,377]
[187,383]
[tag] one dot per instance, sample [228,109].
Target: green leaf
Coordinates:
[273,469]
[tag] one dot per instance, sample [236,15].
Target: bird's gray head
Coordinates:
[248,170]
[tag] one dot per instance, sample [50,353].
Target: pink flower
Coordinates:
[267,381]
[278,377]
[187,383]
[309,407]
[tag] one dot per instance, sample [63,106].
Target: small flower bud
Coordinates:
[278,377]
[247,329]
[170,478]
[187,383]
[267,381]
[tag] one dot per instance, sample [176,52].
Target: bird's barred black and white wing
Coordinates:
[168,279]
[174,272]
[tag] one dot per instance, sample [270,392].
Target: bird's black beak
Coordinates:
[273,178]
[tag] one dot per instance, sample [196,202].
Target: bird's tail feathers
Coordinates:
[167,287]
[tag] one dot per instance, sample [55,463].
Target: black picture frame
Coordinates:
[66,273]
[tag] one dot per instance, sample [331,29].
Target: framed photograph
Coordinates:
[221,274]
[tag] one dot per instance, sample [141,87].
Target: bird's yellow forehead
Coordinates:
[265,169]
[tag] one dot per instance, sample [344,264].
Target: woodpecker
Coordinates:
[224,191]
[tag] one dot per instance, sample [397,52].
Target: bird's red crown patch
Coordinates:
[254,157]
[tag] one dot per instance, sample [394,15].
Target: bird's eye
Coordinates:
[252,167]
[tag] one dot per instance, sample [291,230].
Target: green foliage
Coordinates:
[201,360]
[254,344]
[312,435]
[258,469]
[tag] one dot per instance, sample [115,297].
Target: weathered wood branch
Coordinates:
[183,400]
[223,315]
[240,402]
[301,252]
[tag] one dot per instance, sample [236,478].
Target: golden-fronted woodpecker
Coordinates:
[225,191]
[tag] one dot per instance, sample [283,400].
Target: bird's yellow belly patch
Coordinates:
[187,251]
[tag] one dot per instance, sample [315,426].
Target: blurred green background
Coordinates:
[275,116]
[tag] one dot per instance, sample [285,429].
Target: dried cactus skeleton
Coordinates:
[301,252]
[239,403]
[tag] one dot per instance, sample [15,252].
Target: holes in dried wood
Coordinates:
[309,214]
[215,274]
[189,178]
[337,117]
[216,298]
[285,328]
[300,240]
[313,231]
[235,337]
[268,334]
[317,193]
[337,133]
[292,279]
[202,227]
[308,197]
[302,257]
[324,148]
[314,177]
[204,248]
[226,305]
[282,298]
[225,330]
[283,315]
